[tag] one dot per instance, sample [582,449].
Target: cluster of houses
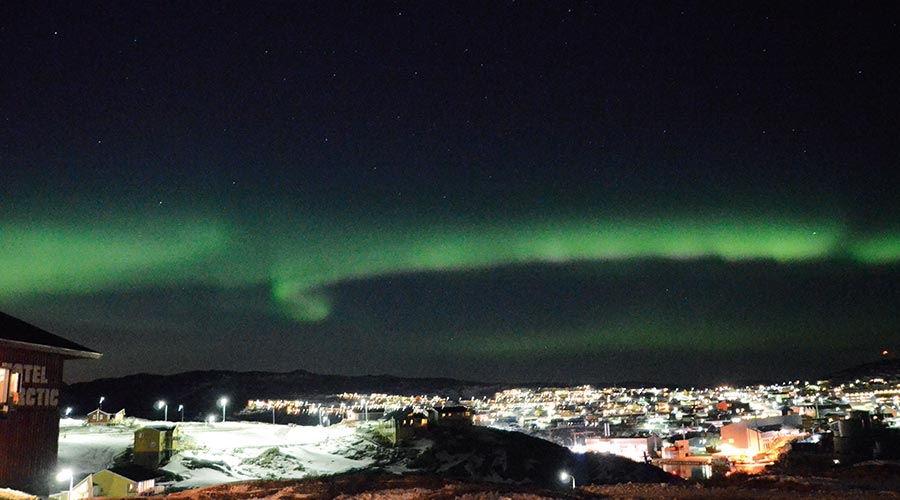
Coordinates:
[410,423]
[746,440]
[153,446]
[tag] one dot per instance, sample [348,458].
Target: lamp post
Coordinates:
[181,410]
[62,476]
[366,406]
[223,402]
[273,413]
[565,476]
[68,411]
[100,404]
[161,405]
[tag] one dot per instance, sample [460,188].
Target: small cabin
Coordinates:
[455,415]
[404,424]
[100,417]
[154,445]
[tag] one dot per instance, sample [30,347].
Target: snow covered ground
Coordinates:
[87,449]
[221,452]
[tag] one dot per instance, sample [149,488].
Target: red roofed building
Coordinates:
[31,369]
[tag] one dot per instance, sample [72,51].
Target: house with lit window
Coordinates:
[452,415]
[31,374]
[404,424]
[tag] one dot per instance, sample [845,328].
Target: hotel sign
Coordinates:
[26,385]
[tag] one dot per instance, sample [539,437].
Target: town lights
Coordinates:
[565,476]
[161,405]
[223,402]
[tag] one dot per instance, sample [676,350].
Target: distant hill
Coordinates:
[888,369]
[199,391]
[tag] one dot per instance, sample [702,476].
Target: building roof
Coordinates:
[159,427]
[452,408]
[17,333]
[135,472]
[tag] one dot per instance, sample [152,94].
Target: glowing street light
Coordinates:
[181,410]
[210,419]
[62,476]
[68,411]
[165,407]
[565,476]
[100,405]
[223,402]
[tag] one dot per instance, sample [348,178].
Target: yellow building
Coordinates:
[116,482]
[154,445]
[127,481]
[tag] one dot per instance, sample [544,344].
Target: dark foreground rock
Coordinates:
[484,454]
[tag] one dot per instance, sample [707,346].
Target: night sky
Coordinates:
[580,192]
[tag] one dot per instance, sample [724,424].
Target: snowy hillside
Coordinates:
[241,451]
[222,452]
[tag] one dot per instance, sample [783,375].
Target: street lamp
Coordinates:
[181,410]
[62,476]
[210,419]
[365,403]
[223,402]
[100,405]
[273,413]
[565,476]
[68,411]
[165,407]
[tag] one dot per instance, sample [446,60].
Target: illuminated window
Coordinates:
[9,389]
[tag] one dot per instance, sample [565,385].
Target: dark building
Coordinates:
[31,372]
[450,415]
[403,424]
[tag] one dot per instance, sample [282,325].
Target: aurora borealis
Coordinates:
[556,191]
[302,267]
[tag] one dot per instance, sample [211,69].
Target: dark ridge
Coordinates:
[199,391]
[887,369]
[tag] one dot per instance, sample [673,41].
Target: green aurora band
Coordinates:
[301,260]
[46,259]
